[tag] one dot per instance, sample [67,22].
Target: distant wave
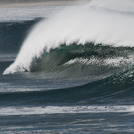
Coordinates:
[95,23]
[11,14]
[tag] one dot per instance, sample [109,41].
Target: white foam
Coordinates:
[114,62]
[95,22]
[65,109]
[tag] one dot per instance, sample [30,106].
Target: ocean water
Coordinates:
[67,70]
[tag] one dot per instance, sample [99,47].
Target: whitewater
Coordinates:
[105,22]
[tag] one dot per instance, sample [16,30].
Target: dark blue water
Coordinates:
[72,89]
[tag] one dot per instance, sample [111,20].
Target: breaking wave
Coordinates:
[97,35]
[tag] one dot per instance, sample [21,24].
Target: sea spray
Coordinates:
[96,22]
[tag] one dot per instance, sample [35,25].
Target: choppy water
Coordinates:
[72,72]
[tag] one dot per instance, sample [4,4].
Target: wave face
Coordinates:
[95,23]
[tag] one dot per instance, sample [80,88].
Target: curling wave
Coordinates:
[95,23]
